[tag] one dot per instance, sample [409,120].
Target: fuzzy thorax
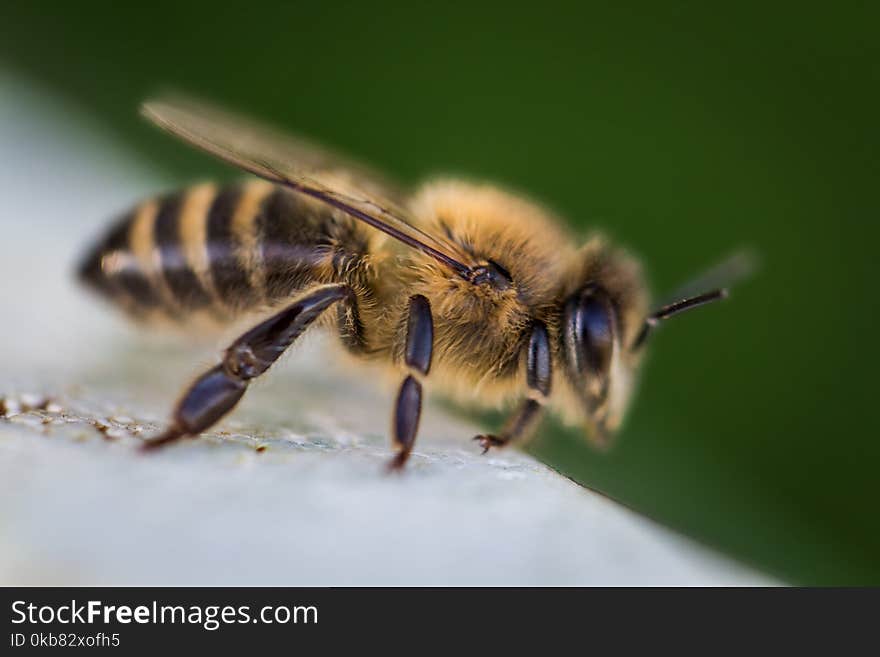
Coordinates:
[481,330]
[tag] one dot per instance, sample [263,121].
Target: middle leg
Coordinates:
[417,356]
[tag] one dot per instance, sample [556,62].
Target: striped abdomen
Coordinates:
[222,251]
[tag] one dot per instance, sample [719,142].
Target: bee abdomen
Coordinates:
[111,268]
[153,260]
[221,251]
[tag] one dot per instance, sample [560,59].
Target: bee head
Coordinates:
[599,369]
[605,323]
[601,315]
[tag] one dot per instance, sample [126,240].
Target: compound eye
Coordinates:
[597,333]
[591,332]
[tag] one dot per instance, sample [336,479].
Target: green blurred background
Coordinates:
[682,130]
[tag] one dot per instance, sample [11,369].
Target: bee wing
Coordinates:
[737,266]
[299,165]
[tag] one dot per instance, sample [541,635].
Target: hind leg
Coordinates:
[216,392]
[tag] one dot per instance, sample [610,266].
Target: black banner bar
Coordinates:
[239,618]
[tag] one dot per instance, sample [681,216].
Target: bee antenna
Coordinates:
[674,308]
[738,266]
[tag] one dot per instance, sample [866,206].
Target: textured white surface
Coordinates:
[290,490]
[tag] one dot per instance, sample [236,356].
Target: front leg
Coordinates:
[539,374]
[216,392]
[417,356]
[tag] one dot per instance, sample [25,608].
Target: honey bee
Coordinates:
[464,287]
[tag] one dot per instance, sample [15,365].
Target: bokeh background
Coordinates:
[683,130]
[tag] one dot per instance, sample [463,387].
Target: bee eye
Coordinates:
[597,334]
[590,332]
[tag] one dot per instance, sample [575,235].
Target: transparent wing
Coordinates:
[737,266]
[302,166]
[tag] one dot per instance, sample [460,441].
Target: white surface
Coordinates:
[82,506]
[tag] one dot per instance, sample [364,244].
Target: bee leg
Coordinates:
[217,391]
[520,426]
[408,407]
[539,374]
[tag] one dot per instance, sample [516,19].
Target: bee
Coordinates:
[472,290]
